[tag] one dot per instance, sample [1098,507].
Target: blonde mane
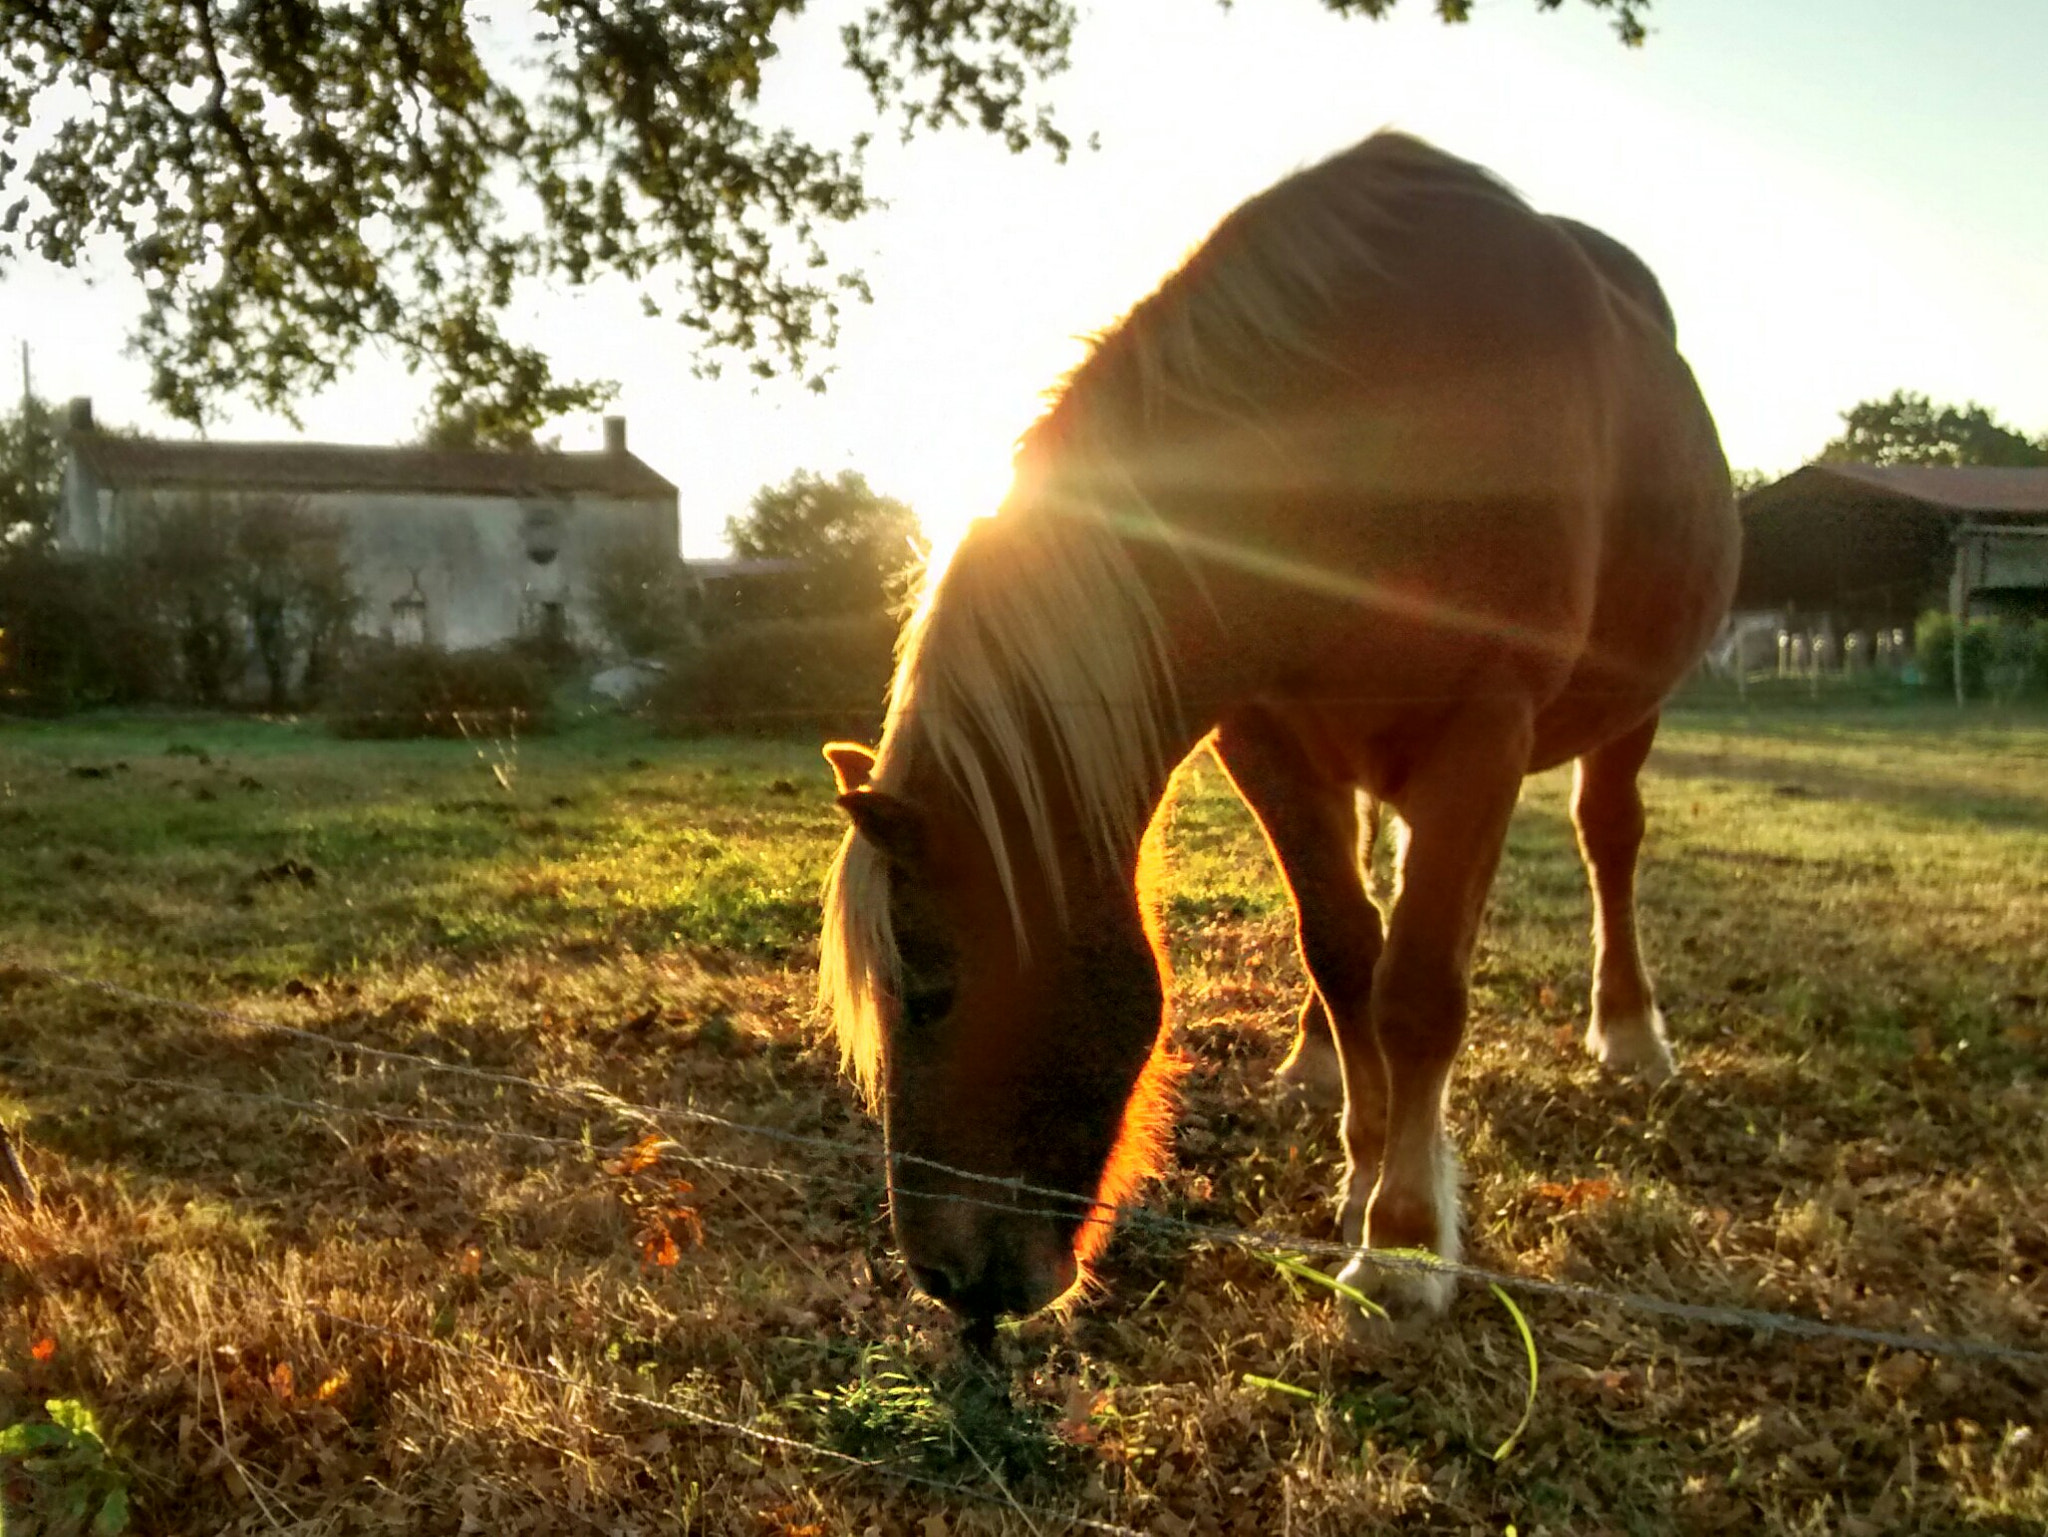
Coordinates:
[1038,631]
[1038,651]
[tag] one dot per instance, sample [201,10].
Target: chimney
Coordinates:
[615,434]
[78,415]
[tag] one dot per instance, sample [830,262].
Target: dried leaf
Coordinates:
[331,1387]
[281,1380]
[45,1348]
[641,1155]
[687,1218]
[1580,1192]
[658,1247]
[1082,1402]
[472,1262]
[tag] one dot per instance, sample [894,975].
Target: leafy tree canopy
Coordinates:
[856,545]
[1908,428]
[31,473]
[294,179]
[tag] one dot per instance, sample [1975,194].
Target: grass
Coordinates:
[1847,910]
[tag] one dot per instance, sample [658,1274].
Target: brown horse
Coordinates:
[1396,486]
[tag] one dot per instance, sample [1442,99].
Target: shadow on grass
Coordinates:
[1918,795]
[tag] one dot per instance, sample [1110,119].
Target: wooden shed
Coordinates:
[1873,546]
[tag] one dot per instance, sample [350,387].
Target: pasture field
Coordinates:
[306,1290]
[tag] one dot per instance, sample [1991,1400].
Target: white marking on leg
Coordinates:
[1407,1292]
[1635,1044]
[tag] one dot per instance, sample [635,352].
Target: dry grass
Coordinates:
[1849,920]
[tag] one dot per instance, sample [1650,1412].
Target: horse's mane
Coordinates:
[1038,651]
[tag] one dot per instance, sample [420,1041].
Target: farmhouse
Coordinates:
[1871,547]
[460,547]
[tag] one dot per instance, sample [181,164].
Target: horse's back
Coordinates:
[1465,442]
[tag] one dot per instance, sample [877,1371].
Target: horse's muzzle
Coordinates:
[982,1262]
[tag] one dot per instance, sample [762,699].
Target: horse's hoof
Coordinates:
[1310,1078]
[1402,1298]
[1634,1048]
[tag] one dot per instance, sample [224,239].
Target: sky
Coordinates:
[1841,197]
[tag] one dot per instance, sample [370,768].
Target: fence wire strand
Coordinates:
[1063,1203]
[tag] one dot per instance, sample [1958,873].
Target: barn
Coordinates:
[1870,547]
[464,547]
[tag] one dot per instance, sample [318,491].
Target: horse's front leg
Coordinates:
[1456,805]
[1310,819]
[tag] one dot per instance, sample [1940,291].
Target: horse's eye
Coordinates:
[927,1005]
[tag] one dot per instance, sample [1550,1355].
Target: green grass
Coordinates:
[1846,909]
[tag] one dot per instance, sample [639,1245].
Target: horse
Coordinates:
[1396,489]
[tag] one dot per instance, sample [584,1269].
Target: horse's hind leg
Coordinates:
[1311,824]
[1313,1076]
[1627,1031]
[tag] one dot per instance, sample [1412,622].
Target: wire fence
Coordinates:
[1004,1194]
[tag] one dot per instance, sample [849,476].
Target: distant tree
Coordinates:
[855,544]
[291,578]
[188,561]
[642,595]
[31,474]
[1746,481]
[1908,428]
[479,424]
[295,180]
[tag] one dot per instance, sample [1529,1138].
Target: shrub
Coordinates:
[186,552]
[78,631]
[782,676]
[181,611]
[1934,642]
[2019,658]
[391,691]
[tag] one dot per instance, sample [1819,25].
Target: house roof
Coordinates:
[725,568]
[288,468]
[1952,488]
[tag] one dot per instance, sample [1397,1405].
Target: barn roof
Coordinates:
[1971,488]
[1872,539]
[302,468]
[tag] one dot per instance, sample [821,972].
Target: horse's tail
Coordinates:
[1370,815]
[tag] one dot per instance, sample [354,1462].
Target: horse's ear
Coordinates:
[852,765]
[892,824]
